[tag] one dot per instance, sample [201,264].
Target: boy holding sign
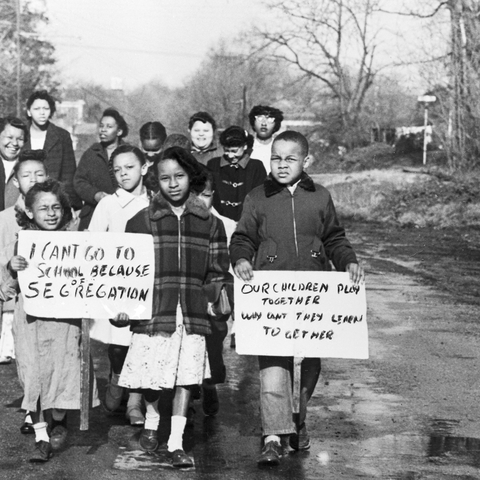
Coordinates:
[289,223]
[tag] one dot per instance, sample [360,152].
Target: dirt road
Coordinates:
[411,411]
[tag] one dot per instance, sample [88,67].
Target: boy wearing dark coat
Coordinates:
[288,223]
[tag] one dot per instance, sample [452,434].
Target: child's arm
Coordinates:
[245,241]
[17,263]
[243,269]
[100,220]
[357,274]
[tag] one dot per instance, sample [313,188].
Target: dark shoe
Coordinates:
[27,425]
[180,459]
[210,402]
[42,453]
[191,416]
[148,440]
[113,397]
[271,454]
[58,437]
[301,439]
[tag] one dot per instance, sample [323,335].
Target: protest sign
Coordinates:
[86,275]
[301,314]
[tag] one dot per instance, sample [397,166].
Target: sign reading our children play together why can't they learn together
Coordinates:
[301,314]
[86,275]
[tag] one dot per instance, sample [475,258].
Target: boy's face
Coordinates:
[29,173]
[287,162]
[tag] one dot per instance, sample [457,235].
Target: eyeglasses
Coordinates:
[265,118]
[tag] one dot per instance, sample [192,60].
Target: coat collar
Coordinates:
[159,207]
[272,187]
[52,137]
[243,162]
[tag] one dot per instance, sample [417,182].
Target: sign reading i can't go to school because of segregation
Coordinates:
[86,274]
[301,314]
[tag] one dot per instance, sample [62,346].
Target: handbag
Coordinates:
[222,306]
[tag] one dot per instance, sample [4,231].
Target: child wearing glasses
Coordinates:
[265,122]
[235,173]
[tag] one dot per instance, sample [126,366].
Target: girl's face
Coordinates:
[234,154]
[46,211]
[129,172]
[108,130]
[39,112]
[151,146]
[174,182]
[201,134]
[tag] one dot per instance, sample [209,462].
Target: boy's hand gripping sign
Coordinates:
[86,275]
[301,314]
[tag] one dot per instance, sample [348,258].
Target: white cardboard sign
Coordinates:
[302,314]
[86,275]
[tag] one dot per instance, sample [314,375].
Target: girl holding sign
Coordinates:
[111,215]
[191,267]
[50,346]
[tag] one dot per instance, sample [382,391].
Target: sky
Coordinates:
[138,40]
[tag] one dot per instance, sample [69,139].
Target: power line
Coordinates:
[133,50]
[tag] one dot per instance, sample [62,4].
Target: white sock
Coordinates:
[135,400]
[152,415]
[41,432]
[272,438]
[175,441]
[28,417]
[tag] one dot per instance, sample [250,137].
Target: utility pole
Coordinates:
[19,61]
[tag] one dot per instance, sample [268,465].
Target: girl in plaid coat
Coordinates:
[191,267]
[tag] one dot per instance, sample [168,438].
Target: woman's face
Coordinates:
[108,130]
[201,134]
[174,182]
[46,211]
[39,112]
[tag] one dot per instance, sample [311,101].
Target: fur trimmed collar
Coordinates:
[159,207]
[272,187]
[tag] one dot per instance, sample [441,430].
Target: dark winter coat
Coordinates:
[283,231]
[204,156]
[93,175]
[233,182]
[8,191]
[190,275]
[60,161]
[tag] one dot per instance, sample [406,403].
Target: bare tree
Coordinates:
[333,41]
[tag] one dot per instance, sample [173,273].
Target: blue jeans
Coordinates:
[276,403]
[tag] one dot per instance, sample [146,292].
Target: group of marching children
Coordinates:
[194,197]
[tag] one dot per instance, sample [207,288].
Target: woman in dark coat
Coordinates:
[94,178]
[55,141]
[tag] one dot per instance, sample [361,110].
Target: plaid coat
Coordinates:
[191,263]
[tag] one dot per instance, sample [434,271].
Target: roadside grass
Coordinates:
[377,191]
